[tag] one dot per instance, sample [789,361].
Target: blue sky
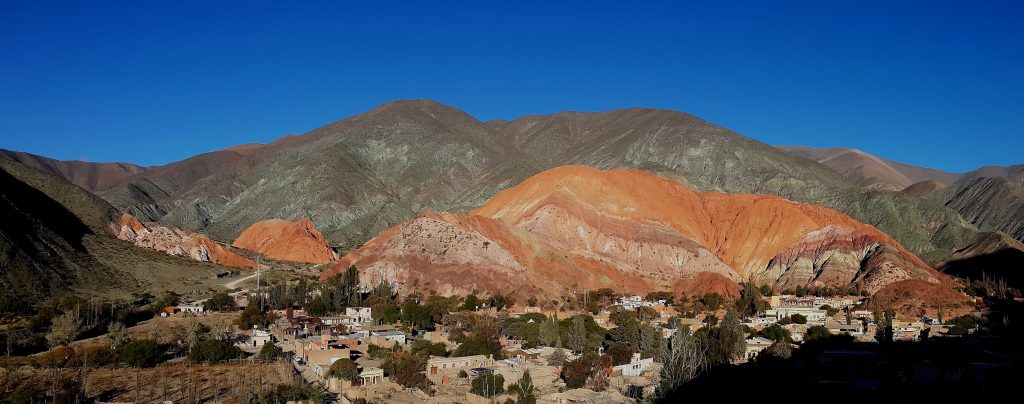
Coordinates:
[933,83]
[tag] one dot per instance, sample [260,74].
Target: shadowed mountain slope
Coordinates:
[94,177]
[55,238]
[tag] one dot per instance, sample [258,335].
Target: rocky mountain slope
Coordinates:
[989,198]
[55,238]
[287,241]
[631,231]
[359,176]
[94,177]
[868,170]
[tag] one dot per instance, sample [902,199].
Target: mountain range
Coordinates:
[359,177]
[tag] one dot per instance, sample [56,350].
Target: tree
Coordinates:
[488,385]
[775,332]
[251,317]
[712,301]
[685,357]
[500,301]
[751,301]
[212,351]
[424,347]
[776,351]
[344,369]
[405,368]
[270,351]
[523,390]
[620,353]
[576,339]
[798,318]
[220,302]
[667,296]
[65,329]
[192,333]
[141,353]
[884,332]
[471,303]
[117,334]
[317,306]
[816,332]
[557,358]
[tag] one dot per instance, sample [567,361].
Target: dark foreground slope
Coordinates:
[54,239]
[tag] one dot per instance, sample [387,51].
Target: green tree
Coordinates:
[344,369]
[798,318]
[488,385]
[712,301]
[270,352]
[220,302]
[558,358]
[212,351]
[251,317]
[816,332]
[471,303]
[141,353]
[523,390]
[775,332]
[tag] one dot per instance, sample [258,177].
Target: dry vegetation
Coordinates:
[184,383]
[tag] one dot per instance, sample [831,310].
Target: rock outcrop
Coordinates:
[287,241]
[580,227]
[177,242]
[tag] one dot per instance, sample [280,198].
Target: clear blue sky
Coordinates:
[932,83]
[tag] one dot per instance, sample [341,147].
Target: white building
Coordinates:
[756,345]
[359,314]
[259,338]
[812,314]
[635,367]
[633,302]
[390,335]
[191,308]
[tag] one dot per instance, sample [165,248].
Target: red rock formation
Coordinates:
[287,241]
[634,232]
[175,241]
[912,298]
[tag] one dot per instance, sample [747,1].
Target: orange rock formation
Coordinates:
[178,242]
[287,241]
[580,227]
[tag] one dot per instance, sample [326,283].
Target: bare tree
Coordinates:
[118,334]
[685,357]
[65,329]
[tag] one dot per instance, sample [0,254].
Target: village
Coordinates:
[604,348]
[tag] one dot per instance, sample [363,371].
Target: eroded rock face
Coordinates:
[287,241]
[580,227]
[175,241]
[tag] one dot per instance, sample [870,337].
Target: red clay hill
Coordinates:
[580,227]
[287,241]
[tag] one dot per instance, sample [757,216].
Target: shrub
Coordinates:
[798,318]
[141,353]
[211,351]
